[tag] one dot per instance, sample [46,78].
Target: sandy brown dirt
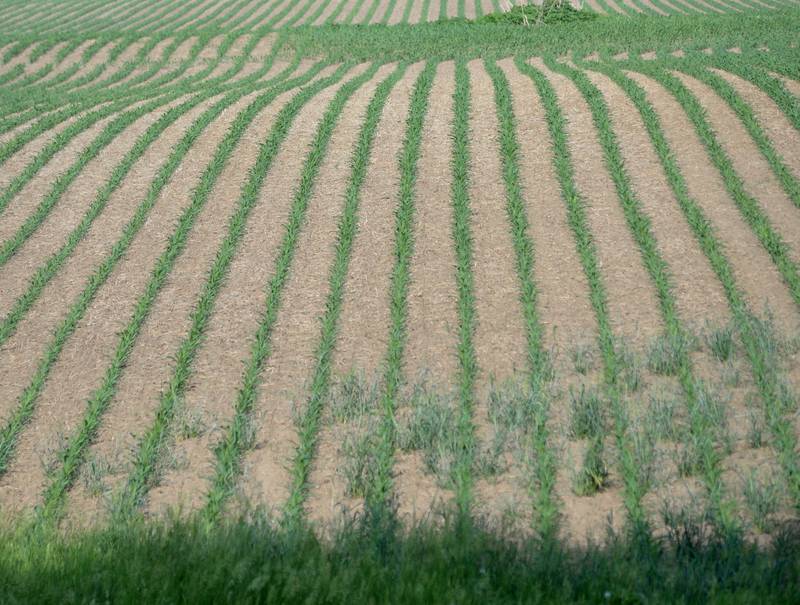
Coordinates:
[296,8]
[632,304]
[207,55]
[67,212]
[116,13]
[279,7]
[17,162]
[397,13]
[253,60]
[220,362]
[772,120]
[31,195]
[216,16]
[379,13]
[83,360]
[157,53]
[754,272]
[500,342]
[23,58]
[257,59]
[48,58]
[432,324]
[563,301]
[760,181]
[295,340]
[67,62]
[563,293]
[327,12]
[361,15]
[452,8]
[793,86]
[432,318]
[99,59]
[278,67]
[433,12]
[698,293]
[129,54]
[469,9]
[260,15]
[226,19]
[3,50]
[415,16]
[191,17]
[348,8]
[145,375]
[364,322]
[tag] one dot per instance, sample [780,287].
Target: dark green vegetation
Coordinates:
[675,449]
[372,561]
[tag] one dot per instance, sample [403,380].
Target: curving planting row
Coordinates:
[229,275]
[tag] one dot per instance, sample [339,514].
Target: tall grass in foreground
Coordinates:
[373,560]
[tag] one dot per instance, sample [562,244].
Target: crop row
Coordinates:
[777,402]
[193,15]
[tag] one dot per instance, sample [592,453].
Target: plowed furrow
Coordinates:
[114,68]
[753,269]
[137,396]
[326,14]
[397,13]
[217,370]
[699,295]
[632,303]
[432,321]
[150,450]
[79,369]
[260,15]
[364,322]
[792,86]
[499,336]
[563,294]
[499,339]
[34,233]
[759,180]
[22,206]
[70,63]
[91,69]
[777,127]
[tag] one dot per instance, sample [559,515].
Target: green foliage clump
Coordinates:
[551,11]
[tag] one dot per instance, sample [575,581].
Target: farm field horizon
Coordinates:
[539,268]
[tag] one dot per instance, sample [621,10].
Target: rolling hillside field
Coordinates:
[400,282]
